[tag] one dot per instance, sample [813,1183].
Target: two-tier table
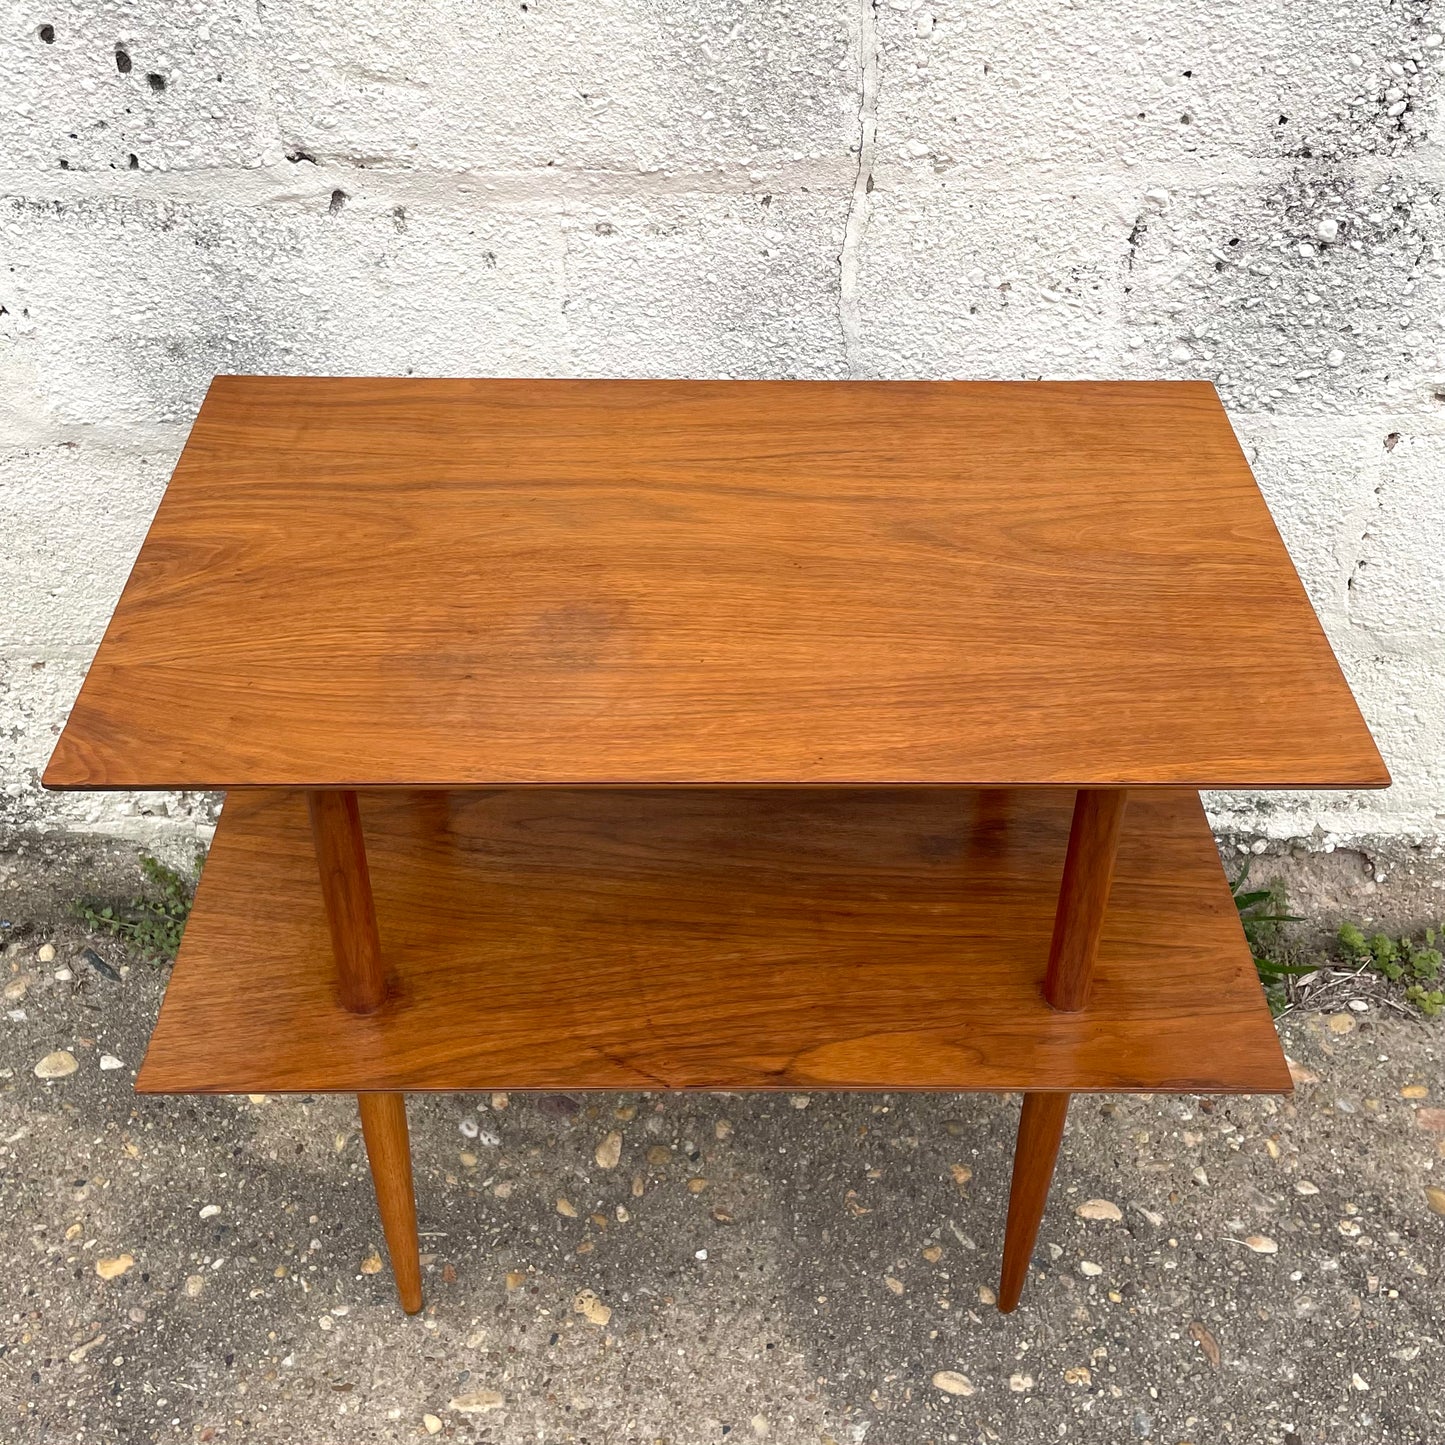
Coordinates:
[713,735]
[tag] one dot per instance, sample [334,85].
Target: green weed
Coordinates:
[1261,914]
[1401,960]
[153,923]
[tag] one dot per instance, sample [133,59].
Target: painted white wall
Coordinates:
[1249,193]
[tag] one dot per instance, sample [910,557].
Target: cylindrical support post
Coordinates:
[1083,896]
[1041,1127]
[388,1150]
[346,889]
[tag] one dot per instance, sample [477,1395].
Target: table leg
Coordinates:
[1041,1126]
[346,888]
[1083,896]
[383,1126]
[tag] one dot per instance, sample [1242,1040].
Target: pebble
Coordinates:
[1410,1091]
[1262,1244]
[1088,1267]
[63,975]
[961,1174]
[516,1278]
[109,1062]
[58,1065]
[933,1253]
[1078,1375]
[1435,1198]
[1099,1209]
[77,1355]
[1359,1383]
[1301,1075]
[470,1128]
[372,1263]
[587,1304]
[1019,1383]
[1328,229]
[952,1383]
[565,1206]
[500,1100]
[609,1151]
[114,1266]
[896,1285]
[431,1424]
[15,989]
[46,953]
[1304,1186]
[1339,1023]
[800,1101]
[722,1129]
[986,1296]
[194,1285]
[760,1425]
[476,1402]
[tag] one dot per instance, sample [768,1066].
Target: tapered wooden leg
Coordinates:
[1083,896]
[346,888]
[1041,1126]
[383,1126]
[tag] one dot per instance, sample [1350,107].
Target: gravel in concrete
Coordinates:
[792,1268]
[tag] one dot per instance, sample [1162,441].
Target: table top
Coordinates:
[453,583]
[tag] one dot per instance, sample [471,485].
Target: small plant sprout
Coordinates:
[1261,912]
[152,923]
[1401,960]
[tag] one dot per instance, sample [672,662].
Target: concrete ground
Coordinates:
[701,1268]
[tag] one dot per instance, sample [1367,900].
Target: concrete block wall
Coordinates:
[1249,193]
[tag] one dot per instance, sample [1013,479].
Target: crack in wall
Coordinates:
[857,224]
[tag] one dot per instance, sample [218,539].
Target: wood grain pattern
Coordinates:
[388,1151]
[1041,1128]
[430,583]
[606,938]
[346,894]
[1083,895]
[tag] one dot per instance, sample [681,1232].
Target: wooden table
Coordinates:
[713,735]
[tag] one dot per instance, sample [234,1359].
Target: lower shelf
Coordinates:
[786,938]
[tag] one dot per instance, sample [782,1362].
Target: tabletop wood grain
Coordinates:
[730,938]
[460,583]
